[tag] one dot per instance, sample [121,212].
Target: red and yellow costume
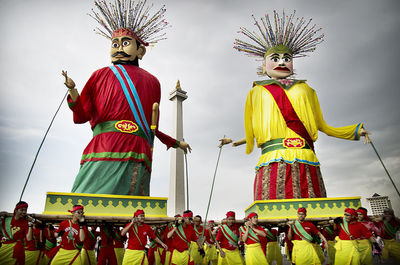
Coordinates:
[304,250]
[194,248]
[349,244]
[137,240]
[273,249]
[228,239]
[388,233]
[210,249]
[182,239]
[329,233]
[119,247]
[12,248]
[70,246]
[288,167]
[34,248]
[254,254]
[88,256]
[170,245]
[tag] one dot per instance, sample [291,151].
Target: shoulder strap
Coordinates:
[270,235]
[289,114]
[6,228]
[252,235]
[135,231]
[389,229]
[345,226]
[228,233]
[138,112]
[301,232]
[182,235]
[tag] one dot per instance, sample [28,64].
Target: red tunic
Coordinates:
[118,239]
[223,241]
[371,227]
[35,243]
[356,229]
[250,241]
[180,244]
[102,99]
[169,241]
[70,239]
[209,237]
[19,230]
[90,239]
[143,231]
[309,227]
[394,223]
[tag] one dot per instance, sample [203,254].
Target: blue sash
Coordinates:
[137,113]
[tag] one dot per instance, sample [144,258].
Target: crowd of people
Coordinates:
[352,239]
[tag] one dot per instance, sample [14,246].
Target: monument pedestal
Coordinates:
[316,207]
[105,204]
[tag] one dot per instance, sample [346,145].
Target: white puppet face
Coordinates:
[278,65]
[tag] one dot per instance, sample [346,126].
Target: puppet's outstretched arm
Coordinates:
[73,92]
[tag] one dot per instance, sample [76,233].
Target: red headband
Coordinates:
[302,210]
[230,214]
[251,215]
[363,212]
[76,208]
[210,221]
[127,32]
[189,214]
[178,215]
[138,212]
[351,211]
[22,205]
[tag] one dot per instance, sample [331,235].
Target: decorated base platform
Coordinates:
[316,207]
[104,204]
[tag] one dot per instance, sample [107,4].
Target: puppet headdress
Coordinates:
[285,34]
[127,17]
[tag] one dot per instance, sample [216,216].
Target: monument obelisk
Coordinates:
[176,199]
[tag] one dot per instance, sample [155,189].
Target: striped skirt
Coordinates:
[280,180]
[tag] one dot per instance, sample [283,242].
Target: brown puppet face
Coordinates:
[125,49]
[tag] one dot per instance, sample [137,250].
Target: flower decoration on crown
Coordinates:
[125,17]
[286,34]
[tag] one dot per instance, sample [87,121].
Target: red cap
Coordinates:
[177,215]
[351,211]
[127,32]
[22,205]
[251,215]
[138,212]
[302,210]
[210,221]
[76,208]
[230,214]
[189,214]
[363,212]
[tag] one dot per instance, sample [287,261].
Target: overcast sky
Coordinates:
[354,71]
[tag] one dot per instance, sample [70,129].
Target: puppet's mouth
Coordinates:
[284,69]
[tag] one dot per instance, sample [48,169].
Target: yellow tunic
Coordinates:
[119,254]
[274,253]
[88,257]
[135,257]
[264,122]
[232,257]
[254,255]
[305,253]
[65,256]
[347,252]
[391,249]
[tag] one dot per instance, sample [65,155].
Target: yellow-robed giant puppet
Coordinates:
[283,115]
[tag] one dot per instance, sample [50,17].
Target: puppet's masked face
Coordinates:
[124,50]
[278,65]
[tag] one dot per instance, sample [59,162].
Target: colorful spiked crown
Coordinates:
[127,18]
[286,34]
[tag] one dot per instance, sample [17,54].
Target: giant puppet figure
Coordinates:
[118,102]
[283,115]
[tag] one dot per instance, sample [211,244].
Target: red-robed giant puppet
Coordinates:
[283,115]
[118,102]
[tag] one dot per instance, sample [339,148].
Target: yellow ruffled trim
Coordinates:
[305,156]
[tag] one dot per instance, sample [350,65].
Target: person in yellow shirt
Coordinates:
[283,115]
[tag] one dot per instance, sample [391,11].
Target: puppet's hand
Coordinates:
[363,132]
[68,81]
[185,147]
[224,141]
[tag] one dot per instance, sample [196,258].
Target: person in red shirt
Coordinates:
[302,234]
[106,252]
[251,235]
[388,227]
[34,248]
[119,245]
[329,232]
[349,245]
[365,247]
[88,256]
[72,234]
[210,250]
[15,230]
[138,234]
[194,248]
[50,248]
[170,241]
[273,251]
[183,234]
[227,241]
